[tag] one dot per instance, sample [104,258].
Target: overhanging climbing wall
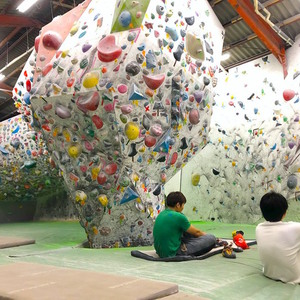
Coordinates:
[124,103]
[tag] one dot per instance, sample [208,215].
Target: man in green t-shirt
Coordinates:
[174,234]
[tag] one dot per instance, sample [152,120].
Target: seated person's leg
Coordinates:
[196,246]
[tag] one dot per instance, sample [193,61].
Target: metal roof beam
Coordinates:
[233,65]
[238,18]
[288,21]
[265,33]
[239,43]
[252,36]
[19,21]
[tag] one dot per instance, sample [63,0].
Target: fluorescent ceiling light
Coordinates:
[2,76]
[25,5]
[225,56]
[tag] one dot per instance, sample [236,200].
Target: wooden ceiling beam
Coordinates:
[9,36]
[7,89]
[19,21]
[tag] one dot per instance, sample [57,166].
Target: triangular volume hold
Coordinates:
[129,14]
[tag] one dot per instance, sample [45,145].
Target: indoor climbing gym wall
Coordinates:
[124,101]
[25,173]
[33,186]
[254,144]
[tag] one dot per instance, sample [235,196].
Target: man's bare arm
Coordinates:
[195,231]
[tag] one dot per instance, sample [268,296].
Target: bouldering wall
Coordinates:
[253,147]
[25,173]
[124,103]
[33,186]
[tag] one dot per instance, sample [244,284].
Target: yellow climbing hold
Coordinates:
[195,179]
[74,29]
[90,80]
[103,200]
[135,178]
[64,53]
[74,150]
[132,131]
[95,171]
[80,196]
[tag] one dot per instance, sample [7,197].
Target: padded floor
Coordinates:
[36,281]
[151,254]
[214,278]
[12,241]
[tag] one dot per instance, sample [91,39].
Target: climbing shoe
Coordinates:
[227,252]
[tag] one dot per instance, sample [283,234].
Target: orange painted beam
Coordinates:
[266,34]
[19,21]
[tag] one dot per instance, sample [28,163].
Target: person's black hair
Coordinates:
[175,197]
[273,206]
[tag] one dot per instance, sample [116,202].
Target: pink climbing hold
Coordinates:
[111,169]
[97,121]
[28,85]
[108,50]
[62,111]
[101,178]
[47,69]
[70,81]
[52,40]
[37,43]
[122,88]
[288,94]
[154,81]
[83,169]
[194,116]
[150,141]
[88,102]
[47,107]
[88,146]
[126,109]
[174,158]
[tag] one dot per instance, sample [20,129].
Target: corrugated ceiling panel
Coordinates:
[236,32]
[224,11]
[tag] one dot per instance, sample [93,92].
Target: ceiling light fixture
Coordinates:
[225,56]
[25,5]
[2,76]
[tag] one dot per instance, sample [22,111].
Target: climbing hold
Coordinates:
[124,18]
[195,179]
[88,102]
[107,49]
[62,111]
[132,130]
[194,116]
[52,40]
[154,81]
[103,200]
[292,181]
[74,150]
[97,121]
[101,178]
[150,141]
[111,169]
[288,94]
[90,79]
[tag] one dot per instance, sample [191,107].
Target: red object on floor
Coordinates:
[239,240]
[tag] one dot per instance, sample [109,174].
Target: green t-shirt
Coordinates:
[168,229]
